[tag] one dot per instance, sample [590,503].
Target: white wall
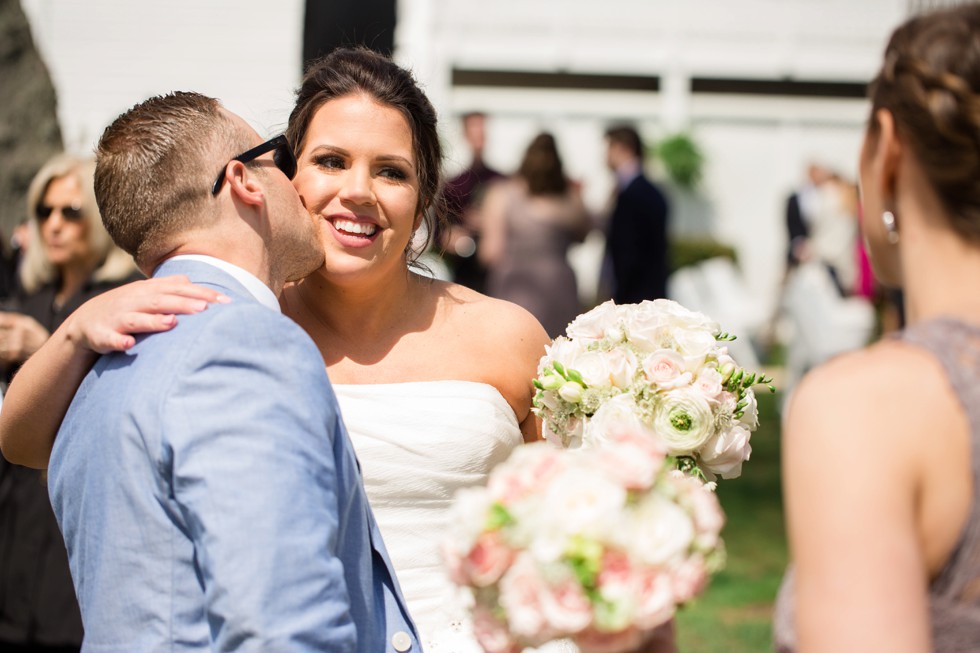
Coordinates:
[106,55]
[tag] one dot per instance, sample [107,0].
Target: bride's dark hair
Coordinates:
[347,71]
[930,81]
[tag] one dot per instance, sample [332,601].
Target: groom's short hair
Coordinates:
[154,168]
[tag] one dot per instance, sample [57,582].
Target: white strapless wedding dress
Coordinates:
[417,444]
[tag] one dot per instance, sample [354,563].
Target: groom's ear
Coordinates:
[244,185]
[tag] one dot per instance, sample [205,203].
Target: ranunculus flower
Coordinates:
[683,420]
[724,453]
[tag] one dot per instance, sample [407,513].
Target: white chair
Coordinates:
[824,323]
[716,288]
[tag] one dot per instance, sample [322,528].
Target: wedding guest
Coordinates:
[529,222]
[73,260]
[637,240]
[460,237]
[882,447]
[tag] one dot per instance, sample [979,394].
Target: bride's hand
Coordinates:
[108,321]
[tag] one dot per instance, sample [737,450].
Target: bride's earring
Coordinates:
[891,227]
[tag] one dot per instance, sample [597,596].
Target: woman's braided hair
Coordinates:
[930,81]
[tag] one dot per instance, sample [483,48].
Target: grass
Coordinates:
[734,615]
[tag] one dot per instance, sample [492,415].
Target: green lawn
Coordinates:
[734,615]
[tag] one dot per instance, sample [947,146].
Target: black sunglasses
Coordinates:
[283,157]
[71,213]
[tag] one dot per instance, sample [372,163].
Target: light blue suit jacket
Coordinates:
[210,498]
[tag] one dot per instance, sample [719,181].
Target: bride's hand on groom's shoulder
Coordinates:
[109,321]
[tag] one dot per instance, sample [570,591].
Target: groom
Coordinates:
[204,483]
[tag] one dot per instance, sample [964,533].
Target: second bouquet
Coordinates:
[658,367]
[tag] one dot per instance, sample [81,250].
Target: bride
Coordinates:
[433,379]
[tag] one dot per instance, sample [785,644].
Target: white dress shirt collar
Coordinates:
[261,292]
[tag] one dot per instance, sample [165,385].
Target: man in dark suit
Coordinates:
[636,241]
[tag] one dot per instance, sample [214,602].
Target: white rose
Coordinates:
[683,420]
[708,381]
[750,414]
[665,368]
[694,345]
[614,368]
[468,518]
[620,412]
[683,318]
[562,351]
[725,452]
[581,500]
[661,531]
[646,323]
[601,322]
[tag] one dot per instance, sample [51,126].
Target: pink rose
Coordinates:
[565,606]
[725,452]
[688,579]
[633,456]
[492,633]
[665,368]
[520,596]
[526,470]
[655,599]
[487,560]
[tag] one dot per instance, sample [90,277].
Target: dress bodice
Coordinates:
[954,595]
[417,444]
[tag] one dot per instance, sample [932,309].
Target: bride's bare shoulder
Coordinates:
[491,320]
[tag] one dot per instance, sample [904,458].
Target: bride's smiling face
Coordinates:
[357,175]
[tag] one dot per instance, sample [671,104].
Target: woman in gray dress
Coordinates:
[882,447]
[529,223]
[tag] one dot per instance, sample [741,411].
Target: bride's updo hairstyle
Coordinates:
[347,71]
[929,82]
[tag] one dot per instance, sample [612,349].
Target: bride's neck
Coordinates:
[360,312]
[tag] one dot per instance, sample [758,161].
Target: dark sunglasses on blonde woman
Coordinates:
[71,213]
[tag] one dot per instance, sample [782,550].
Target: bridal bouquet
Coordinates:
[659,367]
[598,546]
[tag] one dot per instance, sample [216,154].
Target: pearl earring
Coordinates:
[891,227]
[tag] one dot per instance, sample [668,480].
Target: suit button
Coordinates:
[401,641]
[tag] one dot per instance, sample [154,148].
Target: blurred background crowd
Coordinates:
[703,151]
